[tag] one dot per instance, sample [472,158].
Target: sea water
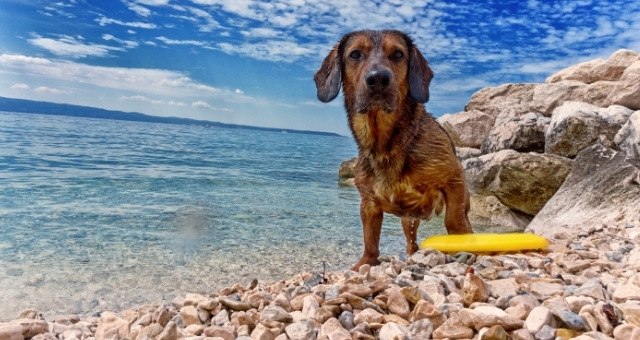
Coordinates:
[99,214]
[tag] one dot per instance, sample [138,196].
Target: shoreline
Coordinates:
[586,286]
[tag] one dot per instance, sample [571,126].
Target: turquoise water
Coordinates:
[101,214]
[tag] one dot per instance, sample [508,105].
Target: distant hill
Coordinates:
[30,106]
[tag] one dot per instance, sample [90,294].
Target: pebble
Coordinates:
[551,295]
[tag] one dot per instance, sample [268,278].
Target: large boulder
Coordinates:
[466,153]
[468,128]
[520,132]
[488,214]
[576,125]
[598,69]
[595,93]
[521,181]
[547,97]
[627,90]
[628,138]
[602,188]
[493,100]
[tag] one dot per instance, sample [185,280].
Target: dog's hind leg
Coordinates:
[410,227]
[371,216]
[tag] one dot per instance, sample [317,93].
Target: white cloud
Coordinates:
[204,105]
[50,90]
[71,47]
[168,41]
[273,50]
[104,21]
[20,86]
[138,9]
[139,98]
[239,91]
[126,43]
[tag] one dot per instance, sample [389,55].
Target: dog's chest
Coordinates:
[405,199]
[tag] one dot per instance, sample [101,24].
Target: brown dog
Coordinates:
[407,165]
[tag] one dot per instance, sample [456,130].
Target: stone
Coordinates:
[421,329]
[452,328]
[347,172]
[546,97]
[575,126]
[631,312]
[397,303]
[426,310]
[599,176]
[150,331]
[226,333]
[275,313]
[368,315]
[221,318]
[234,304]
[572,320]
[495,333]
[194,329]
[521,181]
[493,216]
[546,333]
[309,306]
[626,332]
[521,334]
[11,331]
[493,100]
[591,288]
[261,332]
[473,290]
[301,330]
[466,153]
[577,302]
[544,290]
[392,331]
[189,315]
[627,90]
[111,325]
[538,317]
[519,132]
[503,288]
[333,330]
[359,303]
[347,320]
[628,138]
[627,291]
[599,69]
[468,128]
[170,332]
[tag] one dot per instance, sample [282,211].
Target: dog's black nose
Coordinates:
[378,80]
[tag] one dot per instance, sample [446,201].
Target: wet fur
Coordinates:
[407,164]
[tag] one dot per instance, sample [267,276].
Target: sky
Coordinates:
[252,62]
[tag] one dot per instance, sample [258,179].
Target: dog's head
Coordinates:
[377,70]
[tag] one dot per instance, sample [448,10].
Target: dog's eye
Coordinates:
[355,55]
[397,55]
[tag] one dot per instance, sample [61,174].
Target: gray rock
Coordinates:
[521,181]
[546,333]
[575,126]
[628,138]
[488,214]
[520,132]
[346,320]
[302,330]
[493,100]
[599,176]
[469,128]
[627,91]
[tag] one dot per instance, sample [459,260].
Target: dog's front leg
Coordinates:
[371,216]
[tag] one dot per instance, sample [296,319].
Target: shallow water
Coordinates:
[101,214]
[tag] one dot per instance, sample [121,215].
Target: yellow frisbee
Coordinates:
[485,242]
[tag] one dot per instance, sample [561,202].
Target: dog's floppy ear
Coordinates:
[329,77]
[419,76]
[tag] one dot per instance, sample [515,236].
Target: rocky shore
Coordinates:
[587,286]
[561,159]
